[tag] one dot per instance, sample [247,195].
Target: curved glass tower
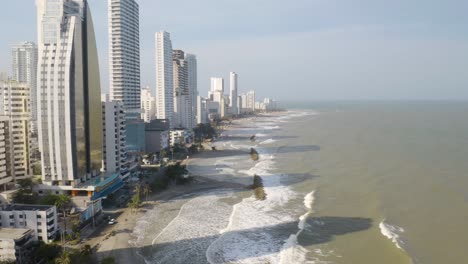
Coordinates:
[69,107]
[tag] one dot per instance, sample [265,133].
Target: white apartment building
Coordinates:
[16,245]
[192,81]
[14,104]
[24,68]
[113,121]
[69,106]
[233,93]
[124,54]
[42,219]
[148,105]
[164,77]
[250,100]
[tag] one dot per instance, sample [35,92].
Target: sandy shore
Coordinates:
[119,245]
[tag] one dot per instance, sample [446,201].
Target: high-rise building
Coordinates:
[148,105]
[24,58]
[69,105]
[183,115]
[113,120]
[233,93]
[192,80]
[5,175]
[14,104]
[217,89]
[250,100]
[164,77]
[124,54]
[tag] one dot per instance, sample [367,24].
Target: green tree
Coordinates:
[108,260]
[64,258]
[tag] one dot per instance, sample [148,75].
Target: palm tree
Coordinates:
[146,191]
[138,190]
[61,202]
[64,258]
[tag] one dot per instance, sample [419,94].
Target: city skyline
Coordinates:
[379,51]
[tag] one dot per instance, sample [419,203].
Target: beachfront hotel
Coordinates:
[124,54]
[164,77]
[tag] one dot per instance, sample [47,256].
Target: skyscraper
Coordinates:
[69,107]
[124,54]
[233,93]
[192,81]
[182,107]
[164,77]
[24,68]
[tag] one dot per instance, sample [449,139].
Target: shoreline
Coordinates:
[126,222]
[120,245]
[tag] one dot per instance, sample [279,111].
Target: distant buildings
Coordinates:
[164,77]
[24,68]
[14,105]
[69,108]
[124,54]
[148,105]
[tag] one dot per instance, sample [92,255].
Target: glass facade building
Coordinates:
[69,108]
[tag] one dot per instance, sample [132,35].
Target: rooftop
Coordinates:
[13,233]
[26,207]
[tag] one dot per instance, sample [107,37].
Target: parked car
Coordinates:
[112,221]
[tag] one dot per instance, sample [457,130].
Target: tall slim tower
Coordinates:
[124,54]
[192,81]
[69,108]
[24,67]
[164,77]
[183,114]
[233,93]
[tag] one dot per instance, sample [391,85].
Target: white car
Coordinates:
[112,221]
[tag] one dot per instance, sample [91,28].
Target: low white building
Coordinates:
[181,136]
[42,219]
[16,245]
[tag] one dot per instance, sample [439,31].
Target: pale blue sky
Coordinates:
[298,49]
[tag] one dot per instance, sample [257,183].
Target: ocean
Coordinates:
[360,183]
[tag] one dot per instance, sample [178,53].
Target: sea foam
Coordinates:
[392,232]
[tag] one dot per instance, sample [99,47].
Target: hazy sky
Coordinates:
[295,49]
